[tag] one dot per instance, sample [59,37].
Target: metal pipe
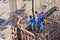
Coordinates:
[33,8]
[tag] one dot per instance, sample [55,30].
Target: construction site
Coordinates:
[15,22]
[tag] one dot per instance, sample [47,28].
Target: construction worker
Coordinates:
[42,16]
[19,21]
[32,22]
[42,28]
[37,22]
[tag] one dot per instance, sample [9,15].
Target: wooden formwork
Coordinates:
[14,33]
[26,35]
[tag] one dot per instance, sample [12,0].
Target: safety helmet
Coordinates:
[39,12]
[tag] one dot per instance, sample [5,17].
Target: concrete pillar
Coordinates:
[37,5]
[13,6]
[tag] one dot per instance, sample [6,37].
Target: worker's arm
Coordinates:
[19,21]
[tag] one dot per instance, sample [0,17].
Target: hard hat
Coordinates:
[39,12]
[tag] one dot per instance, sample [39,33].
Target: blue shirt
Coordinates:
[32,20]
[37,22]
[42,17]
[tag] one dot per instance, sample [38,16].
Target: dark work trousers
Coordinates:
[33,27]
[19,28]
[37,28]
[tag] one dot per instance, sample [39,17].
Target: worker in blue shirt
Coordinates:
[32,22]
[37,24]
[42,16]
[42,28]
[37,21]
